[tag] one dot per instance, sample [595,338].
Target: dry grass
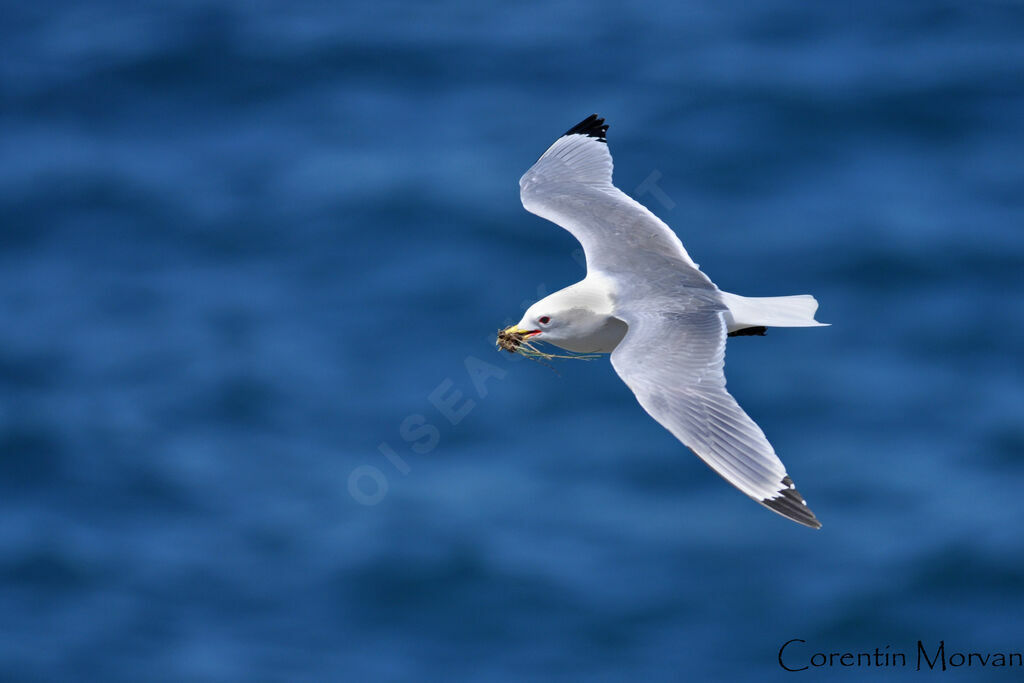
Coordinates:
[521,343]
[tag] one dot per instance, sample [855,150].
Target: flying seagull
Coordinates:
[663,321]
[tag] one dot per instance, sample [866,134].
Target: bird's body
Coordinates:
[663,321]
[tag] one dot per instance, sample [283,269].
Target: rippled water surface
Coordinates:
[247,249]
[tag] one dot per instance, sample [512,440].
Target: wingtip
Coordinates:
[791,505]
[593,126]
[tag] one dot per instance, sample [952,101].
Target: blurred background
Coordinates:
[253,256]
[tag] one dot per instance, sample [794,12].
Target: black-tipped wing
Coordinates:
[673,361]
[593,126]
[571,186]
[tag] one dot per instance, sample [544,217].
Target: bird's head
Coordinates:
[553,320]
[533,327]
[564,319]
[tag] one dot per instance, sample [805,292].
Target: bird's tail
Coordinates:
[770,311]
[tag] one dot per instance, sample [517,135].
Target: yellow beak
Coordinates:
[520,332]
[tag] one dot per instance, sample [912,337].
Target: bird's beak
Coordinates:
[516,331]
[511,339]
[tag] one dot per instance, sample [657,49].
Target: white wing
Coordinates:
[571,186]
[673,355]
[673,361]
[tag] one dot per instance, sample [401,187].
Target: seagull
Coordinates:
[664,322]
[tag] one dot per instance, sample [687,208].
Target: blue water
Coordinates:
[248,248]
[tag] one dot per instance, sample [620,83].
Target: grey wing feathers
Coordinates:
[571,186]
[673,362]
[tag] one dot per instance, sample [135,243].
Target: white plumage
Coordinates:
[646,302]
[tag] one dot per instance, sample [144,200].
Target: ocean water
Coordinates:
[252,259]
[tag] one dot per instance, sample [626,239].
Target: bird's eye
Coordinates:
[543,320]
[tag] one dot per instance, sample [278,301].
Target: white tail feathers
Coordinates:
[770,311]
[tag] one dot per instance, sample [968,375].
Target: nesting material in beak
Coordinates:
[511,338]
[516,340]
